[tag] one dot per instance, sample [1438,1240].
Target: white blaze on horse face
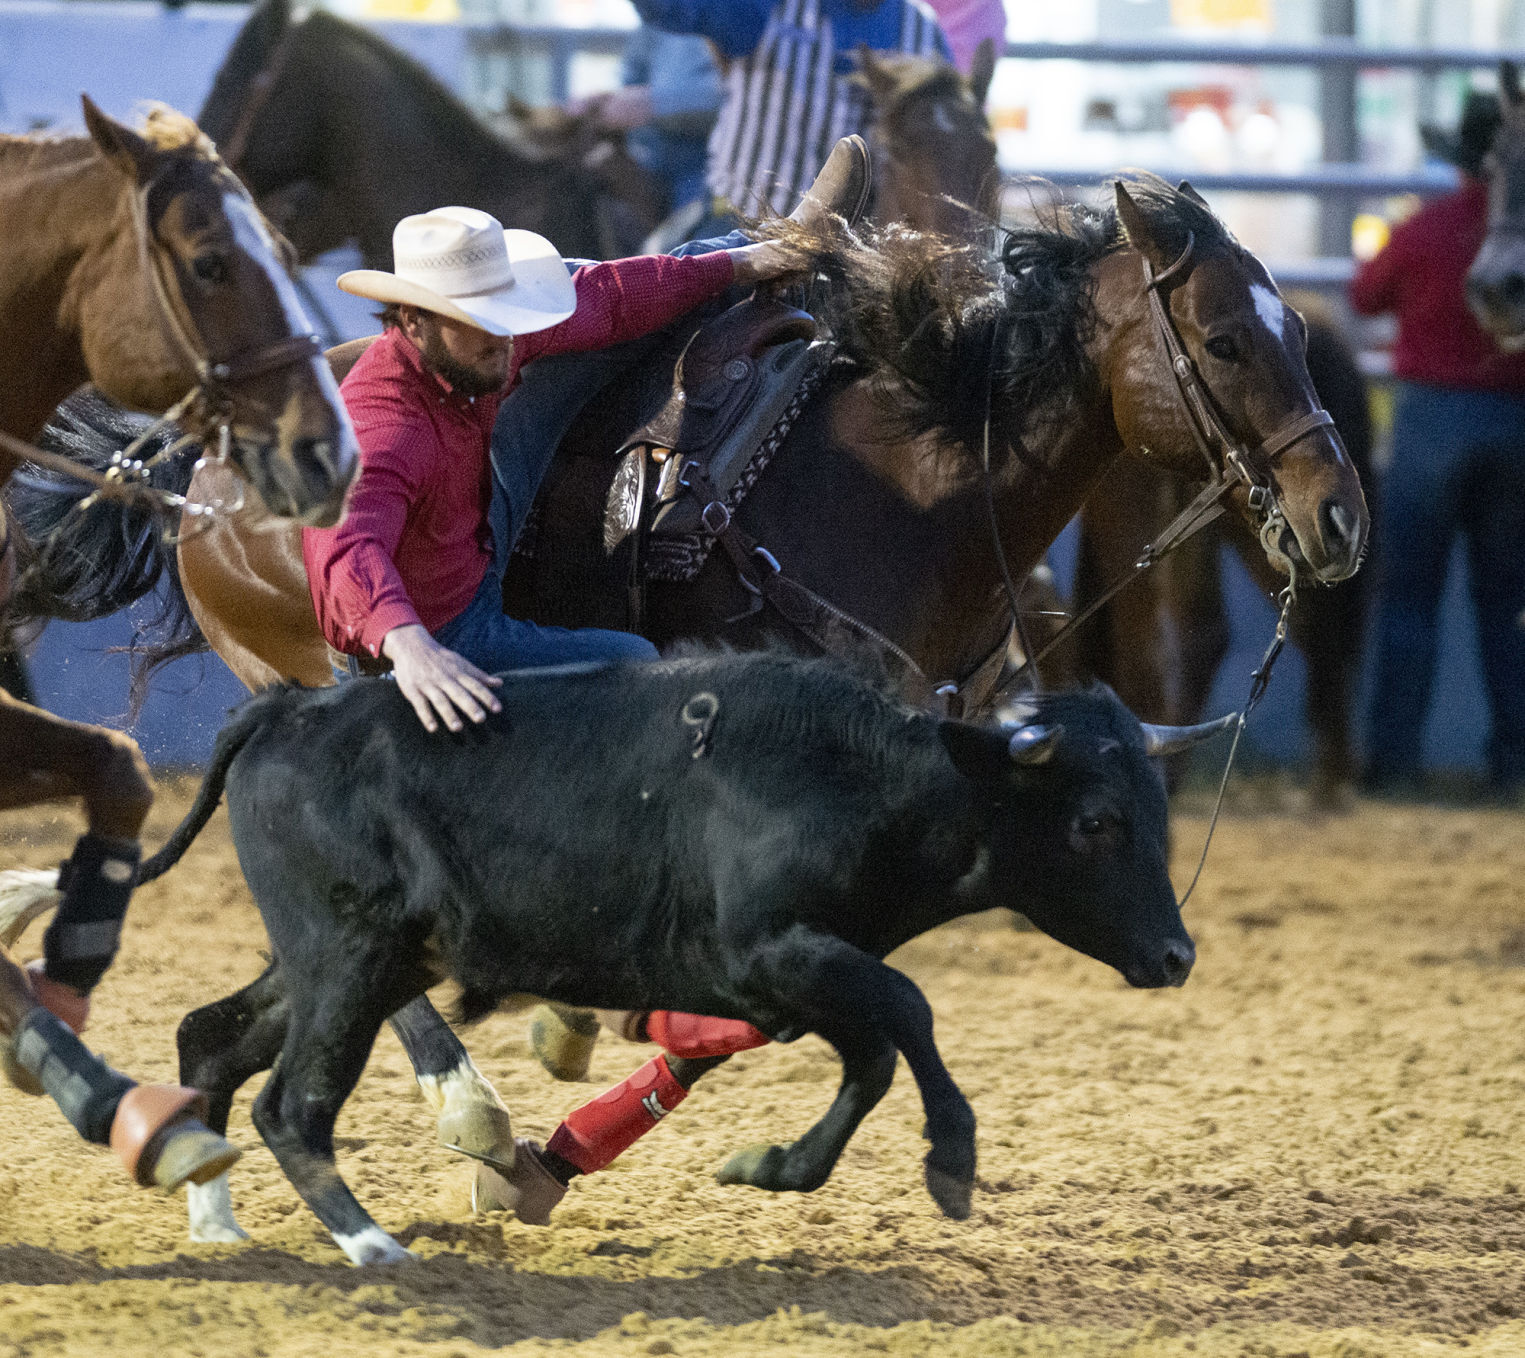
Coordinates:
[250,235]
[1271,310]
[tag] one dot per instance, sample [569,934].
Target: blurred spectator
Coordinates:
[1458,468]
[669,97]
[788,92]
[967,23]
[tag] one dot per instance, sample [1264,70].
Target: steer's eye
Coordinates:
[1091,825]
[211,268]
[1223,348]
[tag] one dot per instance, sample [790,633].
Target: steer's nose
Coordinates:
[1177,962]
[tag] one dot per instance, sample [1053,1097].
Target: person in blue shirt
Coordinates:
[789,95]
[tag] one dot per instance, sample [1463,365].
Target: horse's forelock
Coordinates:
[167,129]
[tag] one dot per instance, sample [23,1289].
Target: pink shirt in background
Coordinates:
[967,22]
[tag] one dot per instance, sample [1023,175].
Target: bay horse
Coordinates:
[136,260]
[1050,355]
[339,136]
[1496,280]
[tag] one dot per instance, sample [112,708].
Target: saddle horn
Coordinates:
[1160,741]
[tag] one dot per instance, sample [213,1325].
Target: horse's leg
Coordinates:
[472,1118]
[867,1011]
[222,1045]
[153,1128]
[334,1019]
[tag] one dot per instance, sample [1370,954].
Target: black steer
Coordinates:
[745,836]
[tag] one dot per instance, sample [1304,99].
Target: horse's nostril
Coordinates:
[1338,526]
[1177,962]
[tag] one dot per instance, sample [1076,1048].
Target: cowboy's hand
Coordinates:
[438,681]
[769,260]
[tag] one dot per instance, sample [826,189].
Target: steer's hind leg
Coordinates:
[328,1038]
[866,1010]
[221,1046]
[472,1118]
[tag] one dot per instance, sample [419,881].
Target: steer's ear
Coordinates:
[978,752]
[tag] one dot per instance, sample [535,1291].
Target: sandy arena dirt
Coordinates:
[1313,1149]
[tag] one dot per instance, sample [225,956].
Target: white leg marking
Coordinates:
[463,1086]
[1271,309]
[211,1210]
[25,893]
[373,1246]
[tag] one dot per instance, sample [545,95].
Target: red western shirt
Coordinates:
[1420,275]
[415,543]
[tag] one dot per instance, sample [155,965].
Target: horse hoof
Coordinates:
[157,1132]
[950,1193]
[529,1190]
[480,1130]
[562,1039]
[751,1166]
[373,1246]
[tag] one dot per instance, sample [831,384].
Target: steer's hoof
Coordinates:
[480,1130]
[158,1134]
[529,1190]
[373,1246]
[949,1192]
[562,1039]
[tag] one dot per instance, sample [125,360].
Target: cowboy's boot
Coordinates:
[841,189]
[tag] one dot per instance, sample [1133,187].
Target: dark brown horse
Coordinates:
[137,261]
[877,498]
[1161,641]
[1496,280]
[339,135]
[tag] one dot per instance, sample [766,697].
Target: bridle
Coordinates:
[207,407]
[1236,465]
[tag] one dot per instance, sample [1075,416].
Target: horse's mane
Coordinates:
[951,330]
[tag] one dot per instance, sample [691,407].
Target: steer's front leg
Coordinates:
[867,1011]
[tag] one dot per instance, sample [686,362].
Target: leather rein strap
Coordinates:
[237,141]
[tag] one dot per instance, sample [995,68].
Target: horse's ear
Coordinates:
[1509,85]
[1136,225]
[1185,189]
[133,155]
[982,71]
[879,79]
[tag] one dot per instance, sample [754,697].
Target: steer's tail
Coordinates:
[230,740]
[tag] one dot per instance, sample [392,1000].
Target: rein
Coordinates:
[260,88]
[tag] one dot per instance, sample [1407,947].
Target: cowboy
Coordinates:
[412,576]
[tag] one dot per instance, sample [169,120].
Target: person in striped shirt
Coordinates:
[789,95]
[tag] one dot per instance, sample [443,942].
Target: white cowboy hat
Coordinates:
[461,263]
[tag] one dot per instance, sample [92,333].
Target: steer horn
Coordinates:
[1162,740]
[1034,744]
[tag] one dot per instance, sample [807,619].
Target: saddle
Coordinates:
[732,385]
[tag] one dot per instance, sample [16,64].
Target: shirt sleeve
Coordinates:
[734,26]
[356,589]
[626,298]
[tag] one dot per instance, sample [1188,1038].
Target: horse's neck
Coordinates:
[948,610]
[59,211]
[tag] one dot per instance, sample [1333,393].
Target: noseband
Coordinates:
[214,376]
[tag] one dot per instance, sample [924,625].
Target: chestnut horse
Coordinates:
[1050,354]
[339,136]
[138,262]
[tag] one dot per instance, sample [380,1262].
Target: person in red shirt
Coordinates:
[408,575]
[1458,468]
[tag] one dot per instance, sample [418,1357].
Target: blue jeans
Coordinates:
[492,641]
[1458,469]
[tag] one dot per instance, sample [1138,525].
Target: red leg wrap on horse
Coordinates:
[694,1035]
[600,1131]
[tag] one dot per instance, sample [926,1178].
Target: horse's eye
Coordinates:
[211,268]
[1223,348]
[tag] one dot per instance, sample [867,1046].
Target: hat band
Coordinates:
[460,273]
